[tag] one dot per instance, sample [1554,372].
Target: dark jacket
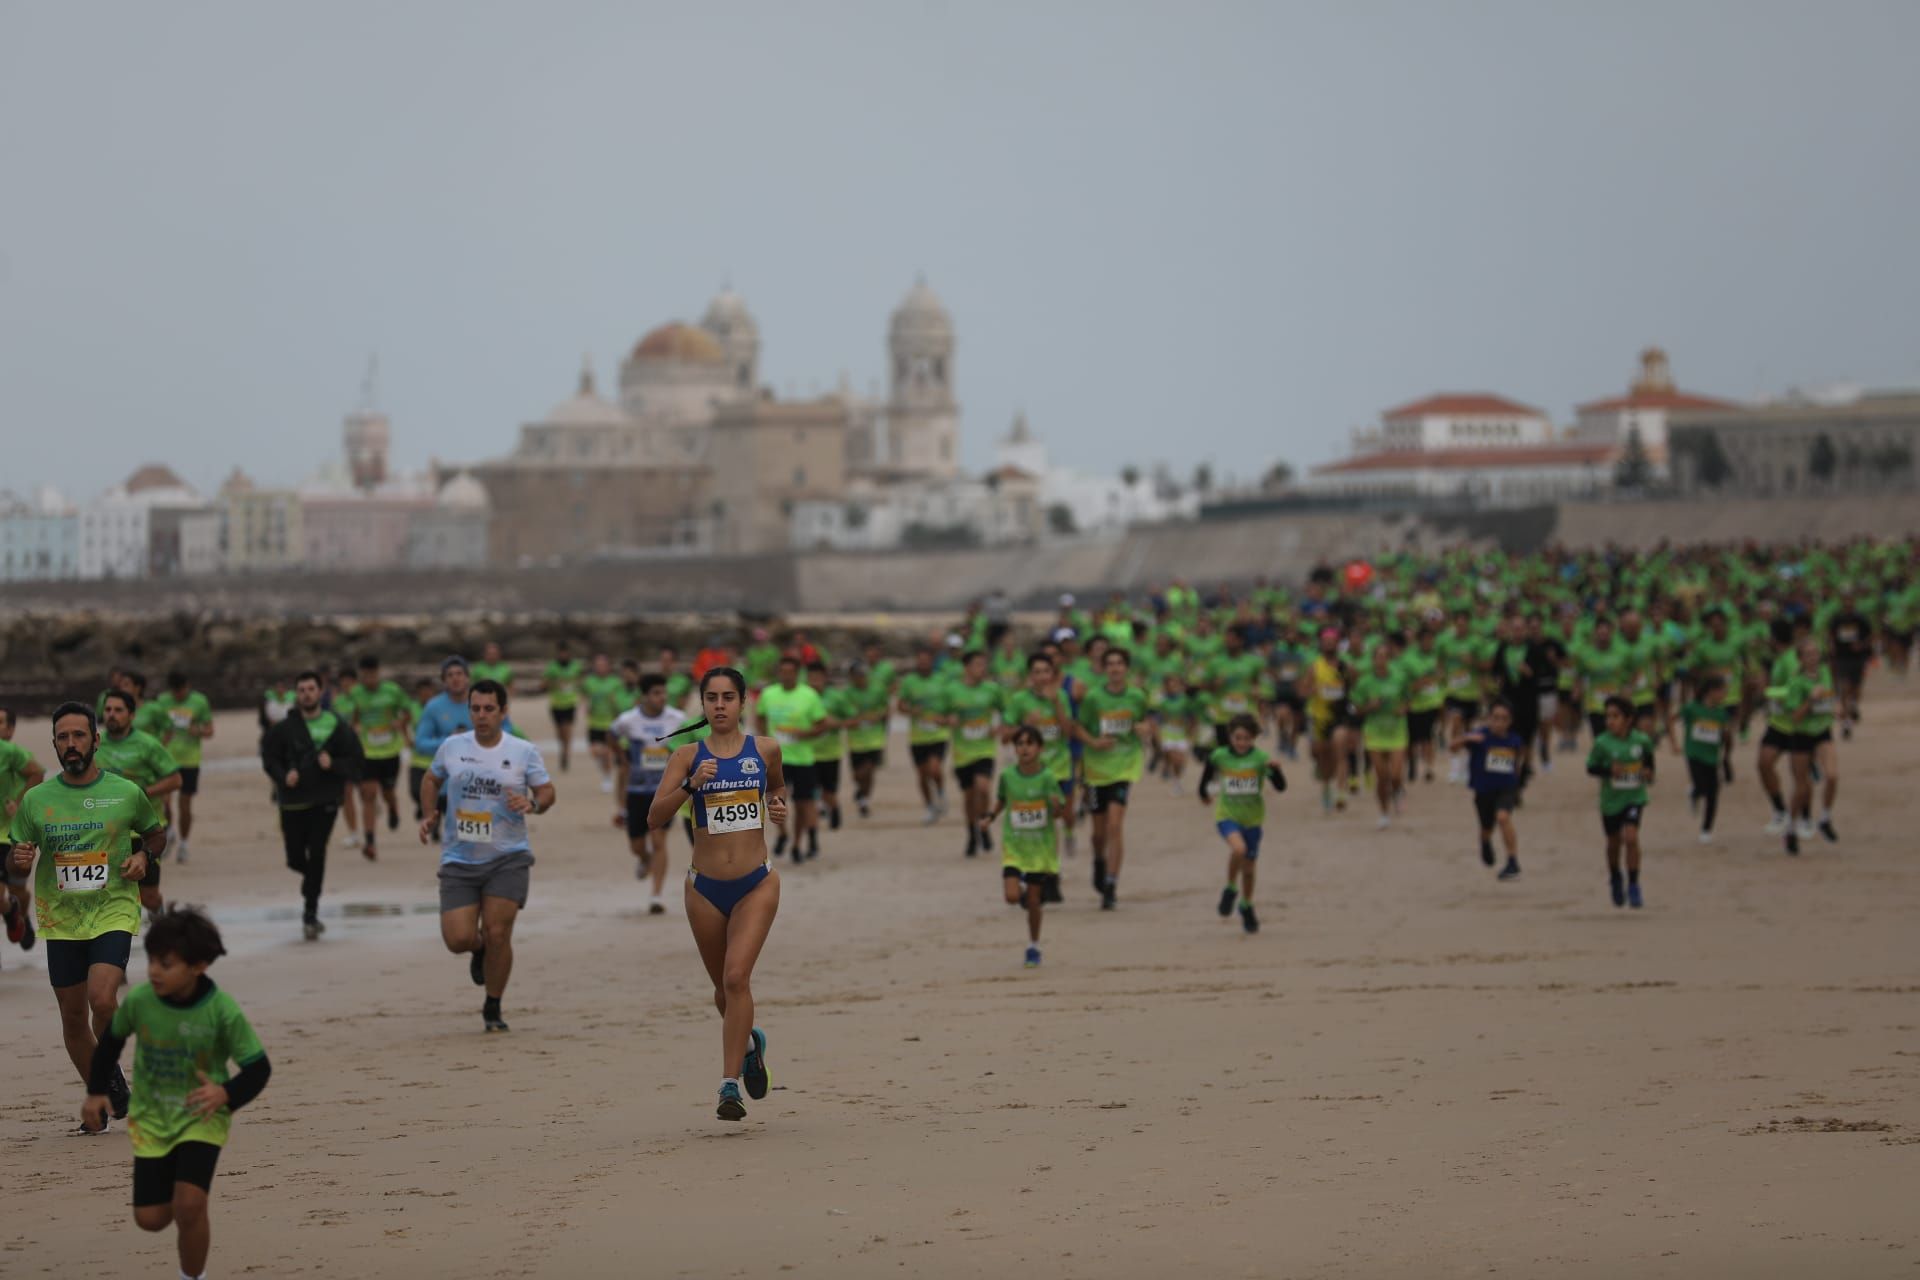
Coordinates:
[289,746]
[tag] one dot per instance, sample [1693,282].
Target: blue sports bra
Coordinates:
[734,799]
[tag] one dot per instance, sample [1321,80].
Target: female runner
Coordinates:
[733,894]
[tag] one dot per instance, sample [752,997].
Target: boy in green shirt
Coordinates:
[561,679]
[974,704]
[188,1031]
[790,712]
[1240,812]
[862,707]
[1042,704]
[137,756]
[922,700]
[382,714]
[1029,850]
[1622,758]
[607,695]
[1700,733]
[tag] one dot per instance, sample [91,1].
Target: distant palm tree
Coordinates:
[1130,475]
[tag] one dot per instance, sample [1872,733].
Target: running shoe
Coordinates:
[1228,896]
[731,1107]
[933,816]
[1109,896]
[780,845]
[986,839]
[16,920]
[27,936]
[973,841]
[368,851]
[1634,899]
[493,1020]
[656,906]
[179,851]
[1383,823]
[81,1131]
[393,820]
[1033,957]
[865,812]
[1706,837]
[753,1069]
[477,966]
[1826,829]
[310,929]
[1777,825]
[1793,843]
[1511,870]
[1486,852]
[1249,921]
[1618,887]
[1099,872]
[606,785]
[1804,828]
[351,840]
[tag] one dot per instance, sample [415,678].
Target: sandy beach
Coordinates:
[1412,1070]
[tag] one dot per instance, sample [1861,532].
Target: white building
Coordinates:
[1000,508]
[116,529]
[451,534]
[1649,401]
[1473,447]
[39,537]
[1092,503]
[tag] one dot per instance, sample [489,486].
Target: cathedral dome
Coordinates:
[680,342]
[727,316]
[584,408]
[921,314]
[463,492]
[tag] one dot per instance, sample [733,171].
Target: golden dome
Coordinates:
[682,342]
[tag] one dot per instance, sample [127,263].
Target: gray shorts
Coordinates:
[463,884]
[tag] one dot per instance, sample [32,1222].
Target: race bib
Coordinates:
[379,737]
[654,757]
[1849,634]
[1460,680]
[1627,776]
[925,727]
[1332,692]
[1175,744]
[1050,731]
[976,730]
[1707,731]
[80,872]
[1235,703]
[1028,815]
[1500,762]
[785,737]
[182,718]
[1824,706]
[1115,726]
[474,826]
[1240,785]
[737,810]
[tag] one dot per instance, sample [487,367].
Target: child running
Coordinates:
[1029,848]
[1704,721]
[189,1030]
[1495,754]
[1240,812]
[1622,758]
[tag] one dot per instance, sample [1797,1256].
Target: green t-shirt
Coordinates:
[1708,657]
[1177,714]
[760,662]
[881,674]
[1239,789]
[1028,840]
[1705,730]
[1382,701]
[138,757]
[605,696]
[1604,673]
[1643,666]
[790,715]
[1235,686]
[679,685]
[175,1045]
[1009,667]
[1049,716]
[563,683]
[1460,659]
[497,671]
[867,709]
[377,716]
[924,700]
[174,718]
[1628,763]
[1421,671]
[14,760]
[84,834]
[974,708]
[1107,714]
[826,742]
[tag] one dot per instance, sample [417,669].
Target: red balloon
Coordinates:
[1359,573]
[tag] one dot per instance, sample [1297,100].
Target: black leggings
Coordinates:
[1706,785]
[306,832]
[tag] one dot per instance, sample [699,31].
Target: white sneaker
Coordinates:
[180,851]
[1804,828]
[1546,768]
[1777,825]
[656,905]
[933,815]
[606,785]
[351,840]
[1383,824]
[1706,837]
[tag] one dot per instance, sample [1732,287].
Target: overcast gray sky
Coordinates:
[1241,227]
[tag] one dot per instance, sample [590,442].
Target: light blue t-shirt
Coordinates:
[478,826]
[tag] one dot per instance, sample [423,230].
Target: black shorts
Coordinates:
[599,737]
[1047,880]
[925,751]
[803,781]
[68,962]
[1611,823]
[1098,798]
[1420,726]
[190,780]
[1779,739]
[562,716]
[863,759]
[385,772]
[1490,804]
[1291,699]
[638,803]
[1805,744]
[1850,670]
[964,774]
[154,1177]
[1597,721]
[826,773]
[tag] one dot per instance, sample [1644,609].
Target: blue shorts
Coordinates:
[1066,788]
[725,895]
[1250,834]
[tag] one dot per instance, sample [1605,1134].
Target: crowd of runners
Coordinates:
[1473,673]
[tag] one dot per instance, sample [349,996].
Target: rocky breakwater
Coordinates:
[46,658]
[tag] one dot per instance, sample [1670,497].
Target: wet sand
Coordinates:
[1412,1070]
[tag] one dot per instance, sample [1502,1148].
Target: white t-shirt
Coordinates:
[478,826]
[647,751]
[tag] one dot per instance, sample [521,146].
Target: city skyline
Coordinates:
[1258,226]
